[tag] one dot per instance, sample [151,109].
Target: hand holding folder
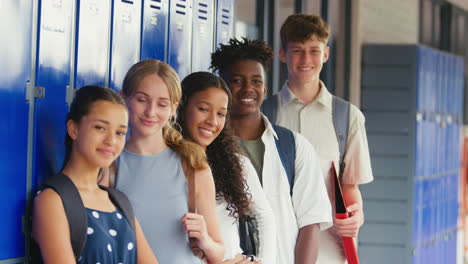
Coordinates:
[341,213]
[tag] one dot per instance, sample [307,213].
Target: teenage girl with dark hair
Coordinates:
[203,115]
[158,169]
[96,128]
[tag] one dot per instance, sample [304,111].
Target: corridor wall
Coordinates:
[412,98]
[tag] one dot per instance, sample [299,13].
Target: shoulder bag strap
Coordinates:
[121,201]
[286,146]
[74,210]
[270,107]
[340,114]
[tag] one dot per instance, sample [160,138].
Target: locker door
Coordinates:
[202,34]
[224,21]
[155,27]
[125,50]
[92,43]
[15,71]
[52,73]
[180,36]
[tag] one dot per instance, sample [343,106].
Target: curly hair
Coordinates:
[223,153]
[244,49]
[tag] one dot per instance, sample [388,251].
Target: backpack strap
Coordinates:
[269,107]
[286,145]
[74,210]
[121,201]
[340,114]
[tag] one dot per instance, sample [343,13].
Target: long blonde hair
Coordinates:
[192,153]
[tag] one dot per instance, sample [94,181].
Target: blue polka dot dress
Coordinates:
[110,239]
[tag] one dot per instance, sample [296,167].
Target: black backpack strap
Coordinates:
[270,107]
[340,114]
[74,210]
[286,146]
[121,201]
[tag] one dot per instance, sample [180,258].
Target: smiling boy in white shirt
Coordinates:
[301,215]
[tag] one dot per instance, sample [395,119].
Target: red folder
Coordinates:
[341,213]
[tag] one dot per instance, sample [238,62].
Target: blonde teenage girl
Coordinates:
[158,168]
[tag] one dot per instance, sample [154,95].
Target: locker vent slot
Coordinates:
[156,4]
[225,15]
[202,11]
[127,2]
[180,8]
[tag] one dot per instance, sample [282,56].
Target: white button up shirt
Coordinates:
[309,203]
[315,122]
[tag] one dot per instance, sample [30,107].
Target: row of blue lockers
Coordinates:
[51,47]
[435,222]
[440,81]
[412,98]
[439,107]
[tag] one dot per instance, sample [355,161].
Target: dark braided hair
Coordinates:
[244,49]
[223,153]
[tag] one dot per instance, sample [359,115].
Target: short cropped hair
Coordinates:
[244,49]
[301,27]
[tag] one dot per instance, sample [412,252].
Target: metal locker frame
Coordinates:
[15,79]
[180,37]
[125,39]
[224,21]
[53,74]
[92,45]
[155,24]
[202,34]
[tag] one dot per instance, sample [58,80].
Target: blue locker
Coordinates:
[180,36]
[154,29]
[15,56]
[125,38]
[224,21]
[202,34]
[52,73]
[92,43]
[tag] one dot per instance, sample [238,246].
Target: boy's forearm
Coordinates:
[307,244]
[352,194]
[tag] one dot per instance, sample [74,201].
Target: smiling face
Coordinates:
[305,59]
[246,80]
[100,135]
[150,107]
[205,115]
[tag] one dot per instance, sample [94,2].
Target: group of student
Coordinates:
[197,157]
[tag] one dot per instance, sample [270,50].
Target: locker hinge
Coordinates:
[34,91]
[69,94]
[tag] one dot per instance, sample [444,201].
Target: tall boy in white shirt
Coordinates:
[305,106]
[301,215]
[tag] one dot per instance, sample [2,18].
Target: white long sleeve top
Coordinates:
[262,211]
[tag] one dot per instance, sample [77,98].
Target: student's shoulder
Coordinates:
[48,202]
[302,142]
[47,195]
[355,114]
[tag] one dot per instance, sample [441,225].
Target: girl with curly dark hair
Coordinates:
[203,115]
